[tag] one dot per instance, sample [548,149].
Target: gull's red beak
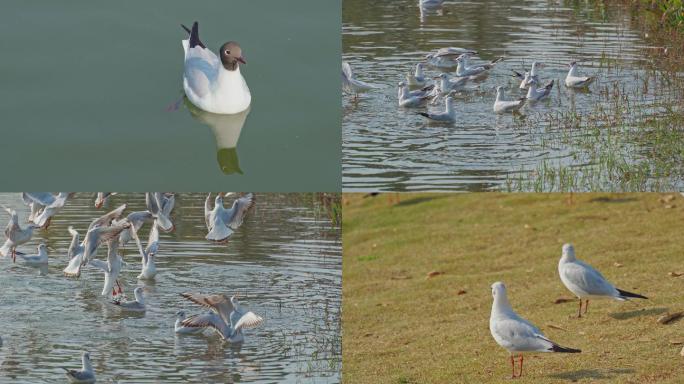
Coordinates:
[242,60]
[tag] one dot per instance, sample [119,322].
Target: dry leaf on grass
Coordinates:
[462,292]
[677,342]
[670,317]
[667,198]
[433,274]
[675,274]
[556,327]
[616,264]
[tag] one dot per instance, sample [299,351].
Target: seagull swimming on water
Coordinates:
[352,85]
[85,375]
[214,84]
[503,106]
[516,334]
[39,259]
[474,72]
[447,84]
[574,81]
[137,305]
[15,235]
[227,318]
[528,77]
[179,328]
[418,78]
[537,94]
[416,98]
[586,282]
[446,116]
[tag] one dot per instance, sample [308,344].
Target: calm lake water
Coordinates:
[86,85]
[386,147]
[285,260]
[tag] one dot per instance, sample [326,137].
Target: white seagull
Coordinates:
[446,84]
[352,85]
[179,328]
[212,84]
[39,259]
[528,77]
[36,202]
[75,253]
[516,334]
[430,3]
[445,58]
[137,305]
[446,116]
[161,205]
[574,81]
[408,99]
[537,94]
[227,319]
[503,106]
[222,222]
[586,282]
[44,218]
[85,375]
[111,268]
[149,269]
[418,78]
[15,235]
[474,72]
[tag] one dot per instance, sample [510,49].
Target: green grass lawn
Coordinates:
[399,326]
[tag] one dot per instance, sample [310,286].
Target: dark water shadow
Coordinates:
[608,199]
[637,313]
[417,200]
[594,374]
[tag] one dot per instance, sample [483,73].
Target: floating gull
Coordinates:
[222,222]
[447,116]
[586,282]
[445,58]
[85,375]
[44,218]
[516,334]
[417,79]
[474,72]
[528,77]
[179,328]
[102,198]
[536,94]
[39,259]
[574,81]
[409,98]
[15,235]
[226,318]
[211,84]
[446,84]
[149,270]
[503,106]
[352,85]
[137,305]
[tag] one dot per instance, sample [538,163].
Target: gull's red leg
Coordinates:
[586,306]
[521,363]
[513,366]
[579,311]
[119,285]
[14,255]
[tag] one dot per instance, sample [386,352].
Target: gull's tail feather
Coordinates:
[518,75]
[558,348]
[626,294]
[194,35]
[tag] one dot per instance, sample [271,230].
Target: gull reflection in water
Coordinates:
[226,129]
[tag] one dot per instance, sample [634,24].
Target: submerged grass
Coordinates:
[399,326]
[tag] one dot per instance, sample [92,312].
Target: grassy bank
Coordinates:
[401,326]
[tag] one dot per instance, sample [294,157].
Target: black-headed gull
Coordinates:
[537,94]
[227,318]
[408,98]
[221,222]
[15,235]
[101,235]
[528,77]
[586,282]
[85,375]
[446,116]
[352,85]
[39,259]
[148,255]
[212,84]
[574,81]
[503,106]
[137,305]
[516,334]
[447,84]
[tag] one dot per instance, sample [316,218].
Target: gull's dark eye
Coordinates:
[227,52]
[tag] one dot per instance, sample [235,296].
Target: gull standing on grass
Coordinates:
[227,319]
[85,375]
[446,116]
[574,81]
[516,334]
[537,94]
[503,106]
[15,235]
[352,85]
[149,269]
[212,84]
[586,282]
[39,259]
[222,222]
[408,99]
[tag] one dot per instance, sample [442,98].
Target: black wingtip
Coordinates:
[630,294]
[424,114]
[558,348]
[194,35]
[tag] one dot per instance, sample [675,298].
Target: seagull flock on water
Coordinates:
[518,335]
[114,230]
[419,89]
